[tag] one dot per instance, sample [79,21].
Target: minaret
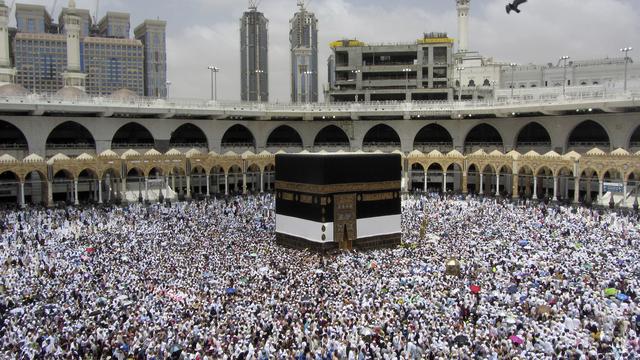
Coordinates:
[7,73]
[73,75]
[463,25]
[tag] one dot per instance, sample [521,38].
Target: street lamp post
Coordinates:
[513,77]
[355,79]
[168,87]
[258,74]
[460,69]
[308,82]
[406,85]
[214,82]
[626,64]
[564,78]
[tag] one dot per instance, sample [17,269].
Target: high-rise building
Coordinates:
[303,37]
[115,25]
[7,73]
[108,56]
[254,55]
[152,34]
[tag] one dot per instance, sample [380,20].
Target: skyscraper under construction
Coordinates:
[254,55]
[303,37]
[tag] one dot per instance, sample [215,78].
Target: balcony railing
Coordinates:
[535,97]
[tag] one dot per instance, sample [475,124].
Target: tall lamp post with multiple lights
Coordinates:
[626,64]
[564,77]
[460,68]
[513,77]
[214,82]
[355,79]
[258,75]
[308,79]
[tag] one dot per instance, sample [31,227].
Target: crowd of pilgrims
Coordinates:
[205,280]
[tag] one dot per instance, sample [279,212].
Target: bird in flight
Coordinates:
[514,6]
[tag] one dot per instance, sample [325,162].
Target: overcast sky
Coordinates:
[206,32]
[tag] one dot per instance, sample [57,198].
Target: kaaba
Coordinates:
[338,201]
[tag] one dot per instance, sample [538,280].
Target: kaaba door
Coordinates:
[345,229]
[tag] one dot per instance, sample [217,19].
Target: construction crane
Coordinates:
[253,4]
[95,14]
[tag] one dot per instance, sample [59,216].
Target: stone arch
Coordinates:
[36,187]
[533,136]
[188,136]
[634,140]
[417,176]
[483,136]
[132,136]
[331,136]
[70,135]
[433,137]
[588,135]
[238,138]
[486,82]
[12,138]
[9,187]
[284,136]
[381,136]
[62,186]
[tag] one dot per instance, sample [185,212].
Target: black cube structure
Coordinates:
[345,201]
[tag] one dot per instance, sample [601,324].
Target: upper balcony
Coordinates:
[544,101]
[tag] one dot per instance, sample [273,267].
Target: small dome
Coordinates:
[434,153]
[531,154]
[13,90]
[620,152]
[108,153]
[191,153]
[247,154]
[552,154]
[33,158]
[57,157]
[415,153]
[6,158]
[230,153]
[265,153]
[124,94]
[153,152]
[173,152]
[572,155]
[71,93]
[129,153]
[596,152]
[455,153]
[84,156]
[496,153]
[479,153]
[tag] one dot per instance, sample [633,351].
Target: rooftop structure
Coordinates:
[413,71]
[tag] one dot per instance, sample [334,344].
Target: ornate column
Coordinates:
[208,184]
[75,192]
[244,183]
[465,183]
[99,191]
[444,182]
[535,188]
[22,202]
[49,193]
[497,183]
[226,184]
[261,180]
[600,191]
[555,188]
[515,187]
[188,187]
[481,184]
[426,179]
[146,188]
[576,190]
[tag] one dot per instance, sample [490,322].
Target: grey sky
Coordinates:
[206,32]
